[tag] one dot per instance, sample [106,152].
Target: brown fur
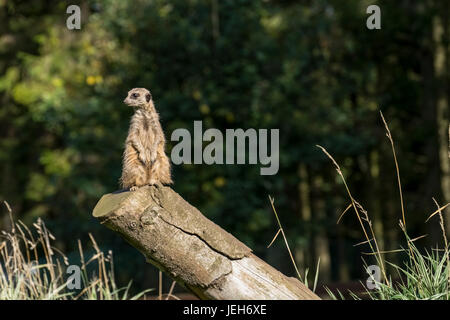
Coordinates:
[144,160]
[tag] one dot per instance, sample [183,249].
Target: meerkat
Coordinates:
[144,159]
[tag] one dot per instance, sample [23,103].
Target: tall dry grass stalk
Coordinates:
[31,268]
[427,275]
[388,134]
[361,215]
[281,231]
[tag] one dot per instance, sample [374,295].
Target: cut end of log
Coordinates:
[110,202]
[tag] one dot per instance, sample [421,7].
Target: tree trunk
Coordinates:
[175,237]
[442,69]
[321,245]
[303,252]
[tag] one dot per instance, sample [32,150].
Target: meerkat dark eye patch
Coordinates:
[135,95]
[148,96]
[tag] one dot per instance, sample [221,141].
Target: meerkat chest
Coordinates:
[144,127]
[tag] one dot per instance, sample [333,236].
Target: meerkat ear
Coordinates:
[148,96]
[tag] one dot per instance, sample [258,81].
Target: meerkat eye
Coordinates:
[135,95]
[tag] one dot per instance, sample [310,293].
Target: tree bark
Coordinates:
[175,237]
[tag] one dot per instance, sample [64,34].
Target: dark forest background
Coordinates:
[310,68]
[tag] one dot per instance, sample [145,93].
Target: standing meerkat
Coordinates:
[144,160]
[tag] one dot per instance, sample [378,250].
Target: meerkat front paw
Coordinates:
[134,188]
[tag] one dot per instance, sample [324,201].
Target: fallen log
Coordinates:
[176,237]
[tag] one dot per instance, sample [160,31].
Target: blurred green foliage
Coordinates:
[309,68]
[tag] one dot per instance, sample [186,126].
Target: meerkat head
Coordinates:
[138,97]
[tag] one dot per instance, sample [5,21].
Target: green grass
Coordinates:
[424,276]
